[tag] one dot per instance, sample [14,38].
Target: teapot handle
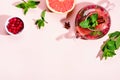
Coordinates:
[106,4]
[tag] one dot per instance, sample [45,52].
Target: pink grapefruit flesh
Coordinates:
[60,6]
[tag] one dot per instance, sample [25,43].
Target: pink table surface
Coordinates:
[38,55]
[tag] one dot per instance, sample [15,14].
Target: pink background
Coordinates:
[39,55]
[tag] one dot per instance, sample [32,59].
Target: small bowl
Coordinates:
[14,25]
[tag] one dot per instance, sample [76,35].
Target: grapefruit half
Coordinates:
[60,6]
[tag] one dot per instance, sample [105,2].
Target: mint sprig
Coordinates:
[90,22]
[111,45]
[41,22]
[94,33]
[27,5]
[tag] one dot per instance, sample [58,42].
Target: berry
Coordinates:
[15,25]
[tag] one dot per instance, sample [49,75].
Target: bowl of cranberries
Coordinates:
[14,25]
[92,22]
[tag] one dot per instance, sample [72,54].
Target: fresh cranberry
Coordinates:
[15,25]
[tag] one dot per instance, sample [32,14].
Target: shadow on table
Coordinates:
[43,5]
[3,19]
[71,18]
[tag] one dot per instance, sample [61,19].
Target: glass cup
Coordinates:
[93,21]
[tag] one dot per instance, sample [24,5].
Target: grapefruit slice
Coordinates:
[83,31]
[60,6]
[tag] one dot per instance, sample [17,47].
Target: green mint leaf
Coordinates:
[43,14]
[27,5]
[109,49]
[117,42]
[84,24]
[111,45]
[95,24]
[116,37]
[90,23]
[41,22]
[108,53]
[114,34]
[37,21]
[94,17]
[21,5]
[94,21]
[33,4]
[96,33]
[25,10]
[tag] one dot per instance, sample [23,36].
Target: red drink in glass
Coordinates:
[103,22]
